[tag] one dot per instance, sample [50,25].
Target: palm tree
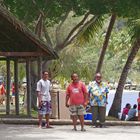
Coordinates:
[105,44]
[116,106]
[90,31]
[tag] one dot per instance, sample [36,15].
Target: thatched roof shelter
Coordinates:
[17,40]
[18,43]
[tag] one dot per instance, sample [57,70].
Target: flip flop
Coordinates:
[39,126]
[83,129]
[74,129]
[49,126]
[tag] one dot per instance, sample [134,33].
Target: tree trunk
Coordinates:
[34,73]
[105,44]
[34,79]
[116,105]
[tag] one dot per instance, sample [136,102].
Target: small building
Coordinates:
[19,44]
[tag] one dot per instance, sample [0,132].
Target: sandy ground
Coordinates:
[64,132]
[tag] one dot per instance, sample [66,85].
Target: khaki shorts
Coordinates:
[77,110]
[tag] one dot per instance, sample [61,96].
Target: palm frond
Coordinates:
[134,28]
[91,28]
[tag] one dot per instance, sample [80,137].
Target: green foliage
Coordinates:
[83,59]
[120,43]
[52,10]
[3,72]
[22,72]
[127,8]
[123,8]
[3,69]
[134,28]
[99,7]
[94,27]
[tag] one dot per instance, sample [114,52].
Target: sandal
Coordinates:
[74,129]
[48,126]
[39,126]
[82,129]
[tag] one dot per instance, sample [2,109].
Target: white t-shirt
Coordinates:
[43,86]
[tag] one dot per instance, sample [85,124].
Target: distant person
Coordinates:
[125,111]
[44,99]
[76,100]
[138,100]
[2,93]
[13,94]
[132,114]
[98,100]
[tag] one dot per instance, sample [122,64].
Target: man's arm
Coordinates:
[86,95]
[135,113]
[67,99]
[86,98]
[39,98]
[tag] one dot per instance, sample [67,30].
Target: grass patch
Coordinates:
[109,118]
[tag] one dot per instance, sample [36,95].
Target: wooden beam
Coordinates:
[28,77]
[8,87]
[16,86]
[22,54]
[39,67]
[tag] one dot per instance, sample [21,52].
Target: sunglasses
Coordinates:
[98,76]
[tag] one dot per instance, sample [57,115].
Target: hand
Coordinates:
[67,105]
[85,104]
[39,104]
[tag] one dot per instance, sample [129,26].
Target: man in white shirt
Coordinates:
[44,99]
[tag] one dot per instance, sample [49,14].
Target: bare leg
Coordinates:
[40,120]
[74,119]
[47,121]
[81,118]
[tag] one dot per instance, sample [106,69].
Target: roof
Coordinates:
[17,40]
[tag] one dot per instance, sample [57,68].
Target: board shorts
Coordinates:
[45,108]
[77,110]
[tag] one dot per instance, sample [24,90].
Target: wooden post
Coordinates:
[16,86]
[28,77]
[39,67]
[58,104]
[8,87]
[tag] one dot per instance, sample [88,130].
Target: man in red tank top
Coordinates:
[76,100]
